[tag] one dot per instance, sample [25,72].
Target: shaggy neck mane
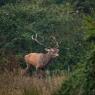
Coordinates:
[47,59]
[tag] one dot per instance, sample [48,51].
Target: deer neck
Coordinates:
[47,59]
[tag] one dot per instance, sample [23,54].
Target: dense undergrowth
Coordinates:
[81,81]
[15,84]
[21,20]
[72,22]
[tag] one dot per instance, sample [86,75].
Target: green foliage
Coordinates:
[75,83]
[85,6]
[81,81]
[75,33]
[21,20]
[90,76]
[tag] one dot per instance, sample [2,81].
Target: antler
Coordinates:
[57,44]
[35,39]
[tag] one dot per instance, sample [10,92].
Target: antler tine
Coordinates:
[36,36]
[32,37]
[35,39]
[57,44]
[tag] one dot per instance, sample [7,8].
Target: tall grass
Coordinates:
[15,84]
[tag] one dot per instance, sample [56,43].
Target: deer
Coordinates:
[41,60]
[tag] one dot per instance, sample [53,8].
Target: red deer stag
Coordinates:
[41,60]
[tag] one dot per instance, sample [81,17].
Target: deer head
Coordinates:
[54,52]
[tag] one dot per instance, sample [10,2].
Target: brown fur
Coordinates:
[40,60]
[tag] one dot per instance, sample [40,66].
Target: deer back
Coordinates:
[34,58]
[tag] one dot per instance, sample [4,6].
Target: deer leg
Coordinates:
[43,74]
[37,70]
[25,71]
[27,68]
[40,73]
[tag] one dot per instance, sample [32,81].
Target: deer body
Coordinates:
[40,60]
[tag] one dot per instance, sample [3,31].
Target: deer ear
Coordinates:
[47,49]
